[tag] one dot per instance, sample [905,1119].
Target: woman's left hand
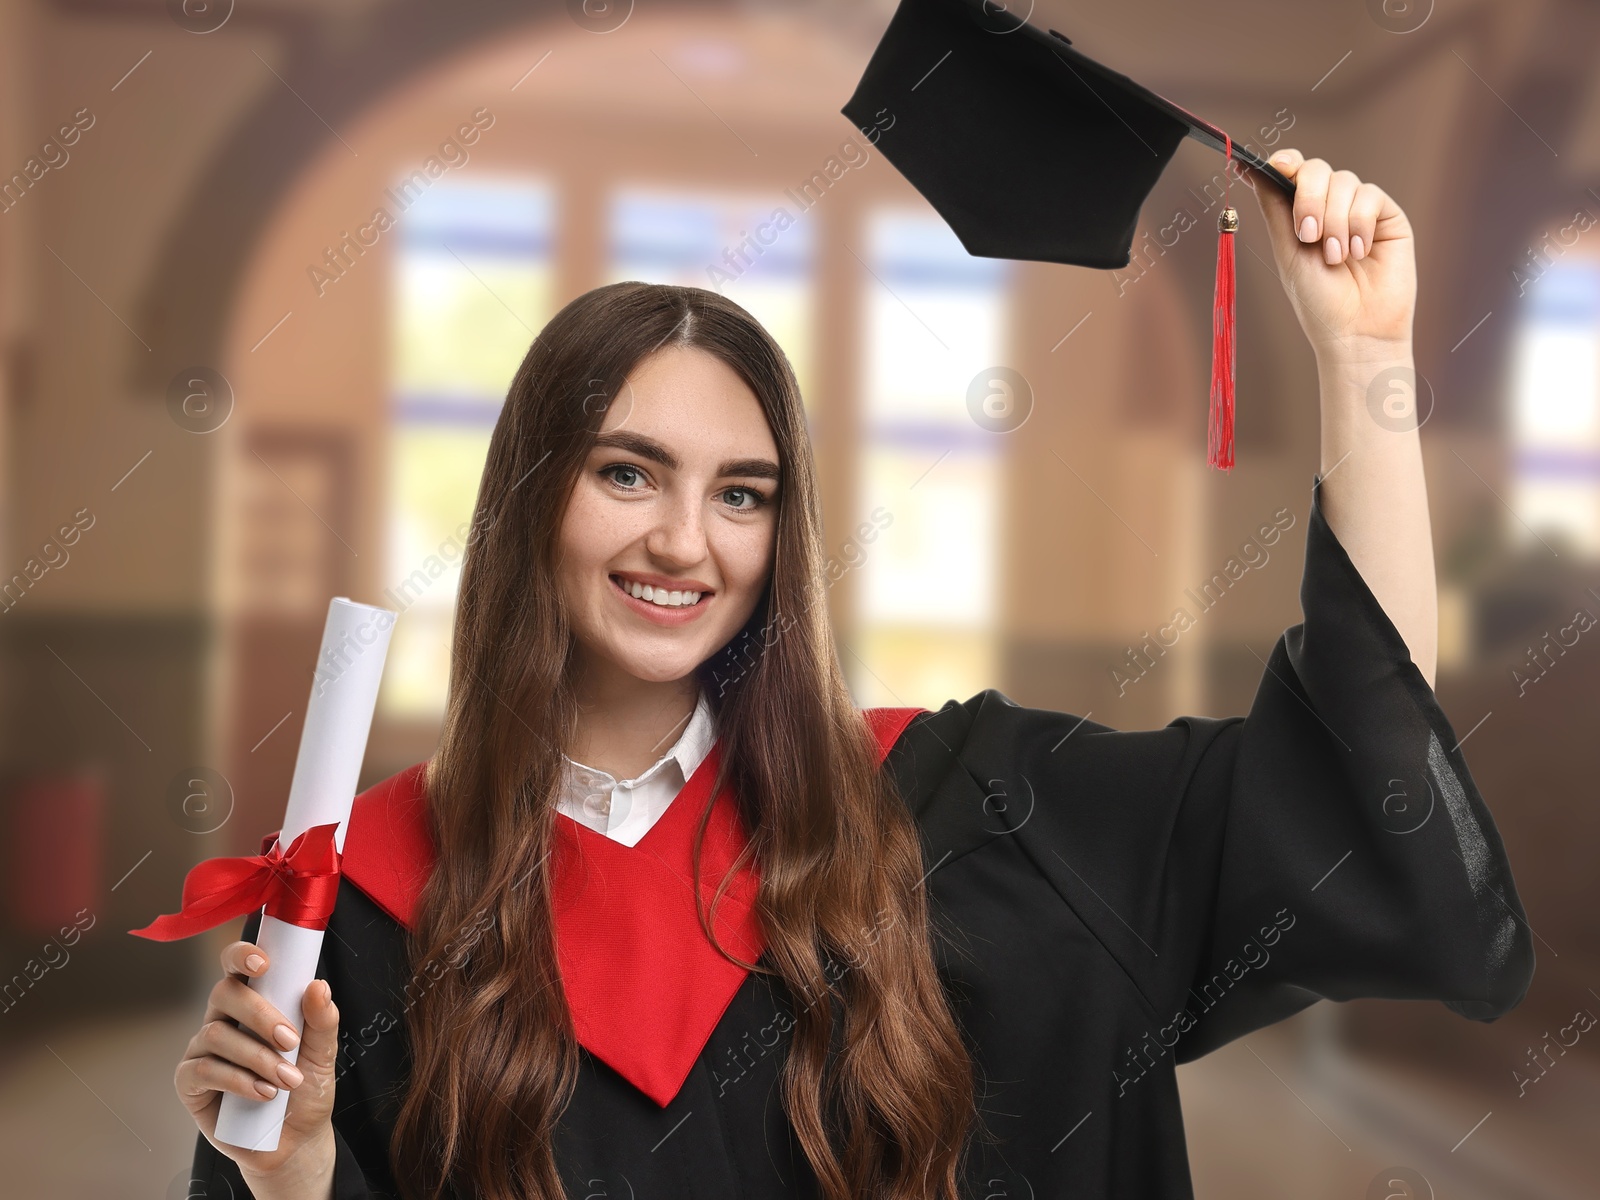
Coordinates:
[1345,256]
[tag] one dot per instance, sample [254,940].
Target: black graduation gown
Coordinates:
[1109,903]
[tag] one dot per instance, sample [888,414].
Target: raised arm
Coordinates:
[1344,253]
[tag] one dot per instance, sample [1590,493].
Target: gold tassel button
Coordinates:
[1228,222]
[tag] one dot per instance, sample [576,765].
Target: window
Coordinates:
[754,249]
[928,612]
[472,286]
[1556,410]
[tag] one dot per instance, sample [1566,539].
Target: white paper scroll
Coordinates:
[344,693]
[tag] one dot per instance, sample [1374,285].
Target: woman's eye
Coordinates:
[755,498]
[622,469]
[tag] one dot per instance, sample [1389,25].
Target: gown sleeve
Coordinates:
[1356,855]
[1329,845]
[215,1174]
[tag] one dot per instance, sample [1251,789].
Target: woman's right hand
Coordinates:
[242,1058]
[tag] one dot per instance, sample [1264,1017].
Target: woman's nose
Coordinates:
[680,536]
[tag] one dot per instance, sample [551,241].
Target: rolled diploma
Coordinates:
[344,694]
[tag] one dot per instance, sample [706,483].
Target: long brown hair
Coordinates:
[877,1082]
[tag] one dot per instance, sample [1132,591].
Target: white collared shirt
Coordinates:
[625,809]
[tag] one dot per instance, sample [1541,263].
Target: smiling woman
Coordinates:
[814,951]
[657,434]
[671,526]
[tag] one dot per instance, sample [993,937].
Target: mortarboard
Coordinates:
[1029,149]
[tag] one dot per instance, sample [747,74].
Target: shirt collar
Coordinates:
[691,748]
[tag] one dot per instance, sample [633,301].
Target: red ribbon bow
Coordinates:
[298,886]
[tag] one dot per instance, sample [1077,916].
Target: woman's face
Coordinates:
[679,493]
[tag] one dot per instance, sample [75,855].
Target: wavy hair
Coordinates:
[877,1080]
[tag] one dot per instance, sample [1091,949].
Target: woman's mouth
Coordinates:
[664,606]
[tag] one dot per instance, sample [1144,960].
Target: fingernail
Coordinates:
[287,1037]
[1308,230]
[254,963]
[290,1074]
[266,1089]
[1281,159]
[1330,251]
[1357,248]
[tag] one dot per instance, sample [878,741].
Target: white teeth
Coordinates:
[661,596]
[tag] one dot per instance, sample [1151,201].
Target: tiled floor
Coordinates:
[89,1114]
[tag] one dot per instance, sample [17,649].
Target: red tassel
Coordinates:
[1220,423]
[1220,442]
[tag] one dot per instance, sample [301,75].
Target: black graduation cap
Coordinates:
[1030,149]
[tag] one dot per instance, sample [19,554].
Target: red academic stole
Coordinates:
[644,984]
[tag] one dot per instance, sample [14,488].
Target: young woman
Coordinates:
[667,915]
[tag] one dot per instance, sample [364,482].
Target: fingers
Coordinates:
[320,1049]
[319,1052]
[1288,162]
[1276,210]
[1342,187]
[1311,199]
[244,959]
[232,997]
[1335,210]
[1364,212]
[238,1062]
[196,1079]
[244,1058]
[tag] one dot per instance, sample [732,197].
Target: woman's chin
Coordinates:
[653,665]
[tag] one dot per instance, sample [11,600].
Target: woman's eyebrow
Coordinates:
[648,447]
[638,443]
[758,468]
